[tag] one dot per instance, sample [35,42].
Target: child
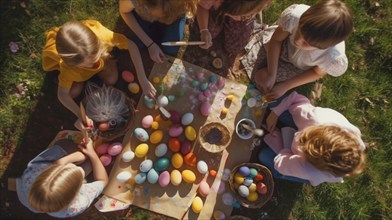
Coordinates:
[79,50]
[325,148]
[55,186]
[307,44]
[235,18]
[156,21]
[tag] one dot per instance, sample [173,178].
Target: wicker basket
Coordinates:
[267,180]
[214,137]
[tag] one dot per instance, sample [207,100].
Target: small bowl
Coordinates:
[242,132]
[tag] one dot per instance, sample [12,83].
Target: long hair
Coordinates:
[55,188]
[172,9]
[332,149]
[75,42]
[326,23]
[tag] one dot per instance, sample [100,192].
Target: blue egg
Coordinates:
[244,171]
[248,181]
[152,176]
[162,164]
[140,178]
[203,86]
[145,166]
[141,134]
[213,79]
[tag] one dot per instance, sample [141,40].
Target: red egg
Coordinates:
[261,188]
[174,144]
[127,76]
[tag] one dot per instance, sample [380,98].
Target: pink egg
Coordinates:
[186,147]
[115,148]
[106,159]
[147,121]
[102,149]
[205,109]
[207,93]
[127,76]
[204,188]
[175,116]
[164,178]
[201,97]
[175,130]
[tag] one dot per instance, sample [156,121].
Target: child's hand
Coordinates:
[277,91]
[156,53]
[86,147]
[272,120]
[205,36]
[148,89]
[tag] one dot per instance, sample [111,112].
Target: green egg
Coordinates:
[253,172]
[162,164]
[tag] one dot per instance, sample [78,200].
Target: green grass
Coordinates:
[362,95]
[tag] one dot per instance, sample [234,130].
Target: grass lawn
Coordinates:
[362,95]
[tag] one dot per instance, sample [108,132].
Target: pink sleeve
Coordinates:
[290,164]
[290,102]
[207,4]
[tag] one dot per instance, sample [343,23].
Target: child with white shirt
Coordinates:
[325,147]
[306,44]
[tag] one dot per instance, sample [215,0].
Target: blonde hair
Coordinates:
[75,42]
[326,23]
[55,188]
[171,9]
[332,149]
[239,7]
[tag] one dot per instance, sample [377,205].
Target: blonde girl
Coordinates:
[154,21]
[235,18]
[56,186]
[306,44]
[80,50]
[323,146]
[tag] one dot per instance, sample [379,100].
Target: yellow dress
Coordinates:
[69,74]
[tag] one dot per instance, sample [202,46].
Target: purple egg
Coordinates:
[186,147]
[175,117]
[175,130]
[164,178]
[244,171]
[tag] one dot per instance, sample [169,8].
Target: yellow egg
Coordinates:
[190,133]
[188,176]
[155,125]
[156,136]
[252,187]
[177,160]
[156,80]
[238,178]
[175,178]
[253,196]
[141,150]
[134,88]
[197,204]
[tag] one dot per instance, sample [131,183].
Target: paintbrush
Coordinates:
[84,120]
[183,43]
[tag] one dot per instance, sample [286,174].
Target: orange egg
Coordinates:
[103,126]
[174,144]
[190,159]
[213,172]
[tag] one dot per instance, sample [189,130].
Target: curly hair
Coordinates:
[332,149]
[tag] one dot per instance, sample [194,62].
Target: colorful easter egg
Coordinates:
[171,98]
[102,149]
[207,93]
[261,188]
[259,177]
[253,196]
[141,150]
[156,136]
[175,117]
[115,148]
[201,97]
[213,79]
[152,176]
[204,188]
[187,119]
[162,100]
[190,133]
[177,160]
[244,171]
[127,76]
[164,178]
[145,166]
[247,181]
[147,121]
[186,147]
[155,125]
[123,176]
[243,191]
[188,176]
[140,178]
[174,144]
[141,134]
[252,187]
[190,159]
[161,150]
[202,167]
[253,172]
[134,88]
[175,130]
[197,205]
[149,102]
[203,86]
[212,173]
[128,156]
[175,177]
[238,178]
[205,109]
[106,159]
[161,164]
[103,126]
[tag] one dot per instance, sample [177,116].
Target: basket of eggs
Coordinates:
[252,184]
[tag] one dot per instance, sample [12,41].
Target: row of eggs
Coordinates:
[247,181]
